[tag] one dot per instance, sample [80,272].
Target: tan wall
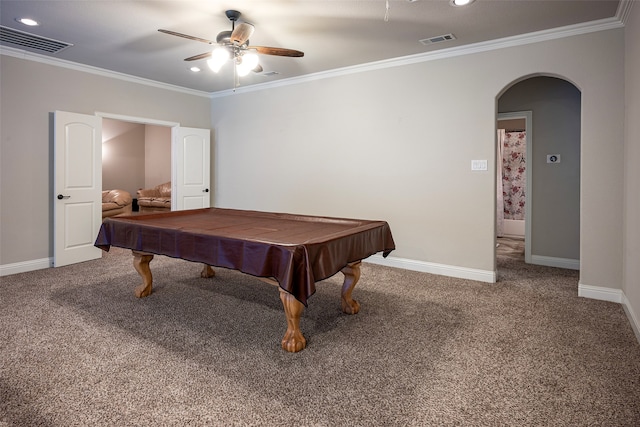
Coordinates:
[122,155]
[389,144]
[157,155]
[30,92]
[631,286]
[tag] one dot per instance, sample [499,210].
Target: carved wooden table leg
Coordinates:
[207,271]
[351,276]
[141,262]
[293,340]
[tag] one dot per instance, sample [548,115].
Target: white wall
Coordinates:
[389,144]
[631,286]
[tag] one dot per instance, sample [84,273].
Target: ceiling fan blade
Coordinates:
[186,36]
[241,33]
[278,51]
[196,57]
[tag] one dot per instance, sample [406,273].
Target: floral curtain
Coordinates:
[513,174]
[499,190]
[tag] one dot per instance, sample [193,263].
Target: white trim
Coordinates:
[571,264]
[25,266]
[518,40]
[134,119]
[21,54]
[633,318]
[624,9]
[600,293]
[513,41]
[433,268]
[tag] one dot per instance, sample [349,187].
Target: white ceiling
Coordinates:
[122,36]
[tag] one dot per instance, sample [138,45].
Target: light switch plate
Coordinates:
[478,165]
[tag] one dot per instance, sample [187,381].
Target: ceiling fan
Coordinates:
[234,45]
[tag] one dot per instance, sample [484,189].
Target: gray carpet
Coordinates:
[78,349]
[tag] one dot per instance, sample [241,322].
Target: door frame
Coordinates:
[134,119]
[147,121]
[528,117]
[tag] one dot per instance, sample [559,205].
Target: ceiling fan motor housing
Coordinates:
[233,15]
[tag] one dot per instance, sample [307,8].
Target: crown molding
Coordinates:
[624,8]
[57,62]
[513,41]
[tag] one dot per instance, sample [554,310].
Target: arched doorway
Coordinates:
[551,197]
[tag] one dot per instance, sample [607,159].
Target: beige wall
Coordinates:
[30,92]
[389,144]
[631,286]
[122,155]
[157,158]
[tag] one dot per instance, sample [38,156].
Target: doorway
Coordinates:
[515,142]
[552,216]
[77,178]
[134,156]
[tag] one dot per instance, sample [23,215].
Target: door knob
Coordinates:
[206,190]
[60,197]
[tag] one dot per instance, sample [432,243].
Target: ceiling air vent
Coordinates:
[438,39]
[31,41]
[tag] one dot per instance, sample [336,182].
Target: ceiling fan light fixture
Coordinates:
[246,63]
[219,56]
[458,3]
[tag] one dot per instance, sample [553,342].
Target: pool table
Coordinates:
[291,251]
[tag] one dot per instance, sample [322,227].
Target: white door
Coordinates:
[190,169]
[77,187]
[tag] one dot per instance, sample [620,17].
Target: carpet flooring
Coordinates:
[78,349]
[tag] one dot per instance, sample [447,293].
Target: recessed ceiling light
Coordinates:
[460,2]
[28,21]
[195,69]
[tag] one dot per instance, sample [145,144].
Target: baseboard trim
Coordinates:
[600,293]
[571,264]
[433,268]
[631,315]
[25,266]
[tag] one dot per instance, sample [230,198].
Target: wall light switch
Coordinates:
[478,165]
[553,158]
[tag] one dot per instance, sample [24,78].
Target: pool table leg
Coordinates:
[293,340]
[351,276]
[141,262]
[207,272]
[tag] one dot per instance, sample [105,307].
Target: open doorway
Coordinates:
[514,143]
[134,156]
[553,163]
[77,179]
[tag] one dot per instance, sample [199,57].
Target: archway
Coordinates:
[552,169]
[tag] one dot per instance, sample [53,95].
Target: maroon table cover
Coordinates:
[296,250]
